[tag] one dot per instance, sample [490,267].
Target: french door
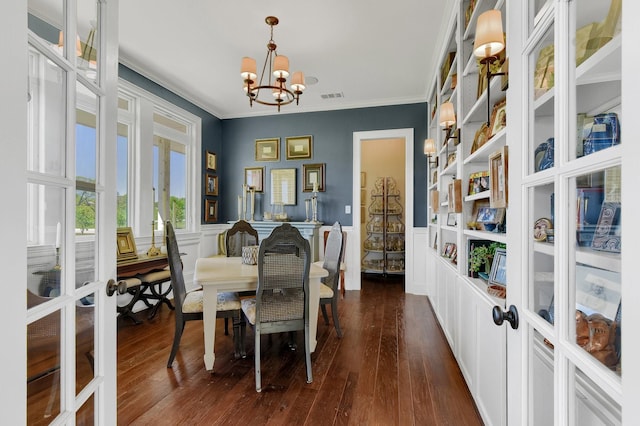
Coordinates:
[64,122]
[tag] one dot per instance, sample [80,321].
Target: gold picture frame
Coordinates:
[480,138]
[211,160]
[499,178]
[254,178]
[313,173]
[299,147]
[210,184]
[268,149]
[210,211]
[126,244]
[498,118]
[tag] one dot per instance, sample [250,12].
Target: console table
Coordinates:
[309,230]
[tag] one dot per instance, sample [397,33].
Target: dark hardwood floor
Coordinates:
[392,367]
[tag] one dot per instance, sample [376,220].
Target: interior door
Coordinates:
[69,209]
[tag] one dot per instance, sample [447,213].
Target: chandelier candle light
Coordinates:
[267,91]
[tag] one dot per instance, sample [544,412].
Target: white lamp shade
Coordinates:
[281,66]
[279,94]
[297,81]
[447,115]
[248,68]
[429,146]
[489,36]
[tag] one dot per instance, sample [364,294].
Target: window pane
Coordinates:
[123,175]
[89,34]
[46,115]
[169,181]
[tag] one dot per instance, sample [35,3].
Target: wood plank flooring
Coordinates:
[392,367]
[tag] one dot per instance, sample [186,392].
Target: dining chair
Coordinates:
[343,265]
[329,288]
[188,305]
[281,303]
[240,235]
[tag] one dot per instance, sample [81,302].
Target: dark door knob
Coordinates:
[113,286]
[511,315]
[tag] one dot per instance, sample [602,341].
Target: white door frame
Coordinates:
[358,139]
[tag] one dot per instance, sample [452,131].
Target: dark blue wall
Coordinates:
[332,133]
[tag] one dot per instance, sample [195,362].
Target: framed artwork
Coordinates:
[478,182]
[210,211]
[451,159]
[211,160]
[498,274]
[598,291]
[283,186]
[498,117]
[313,174]
[498,178]
[126,244]
[490,215]
[452,219]
[363,197]
[268,149]
[480,138]
[299,147]
[455,196]
[254,178]
[210,184]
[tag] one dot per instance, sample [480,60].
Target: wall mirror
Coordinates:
[283,186]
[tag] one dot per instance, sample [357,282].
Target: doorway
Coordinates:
[361,141]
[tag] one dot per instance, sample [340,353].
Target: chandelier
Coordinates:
[271,89]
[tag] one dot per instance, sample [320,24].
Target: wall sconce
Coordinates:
[429,151]
[488,44]
[448,120]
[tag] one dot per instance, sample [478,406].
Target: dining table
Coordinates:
[221,274]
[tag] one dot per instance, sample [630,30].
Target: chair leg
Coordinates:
[257,364]
[176,343]
[307,353]
[342,283]
[323,306]
[334,314]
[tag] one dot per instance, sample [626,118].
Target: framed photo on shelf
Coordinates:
[480,138]
[313,173]
[498,117]
[451,159]
[210,211]
[268,149]
[455,196]
[491,216]
[126,244]
[210,184]
[452,219]
[254,177]
[478,182]
[299,147]
[211,160]
[498,274]
[498,178]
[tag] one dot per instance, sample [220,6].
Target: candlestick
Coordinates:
[58,235]
[306,209]
[244,201]
[315,186]
[253,202]
[153,250]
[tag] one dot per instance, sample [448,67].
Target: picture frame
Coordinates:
[283,186]
[540,228]
[313,173]
[126,244]
[498,274]
[480,138]
[598,291]
[491,216]
[210,211]
[363,196]
[435,200]
[254,178]
[452,219]
[363,179]
[498,117]
[268,149]
[607,233]
[451,159]
[210,184]
[499,178]
[211,161]
[455,196]
[478,182]
[299,147]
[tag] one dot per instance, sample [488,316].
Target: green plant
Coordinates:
[483,255]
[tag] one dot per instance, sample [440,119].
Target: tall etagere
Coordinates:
[384,244]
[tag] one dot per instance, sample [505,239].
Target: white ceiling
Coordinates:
[374,53]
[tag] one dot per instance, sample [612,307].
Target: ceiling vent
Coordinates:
[332,95]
